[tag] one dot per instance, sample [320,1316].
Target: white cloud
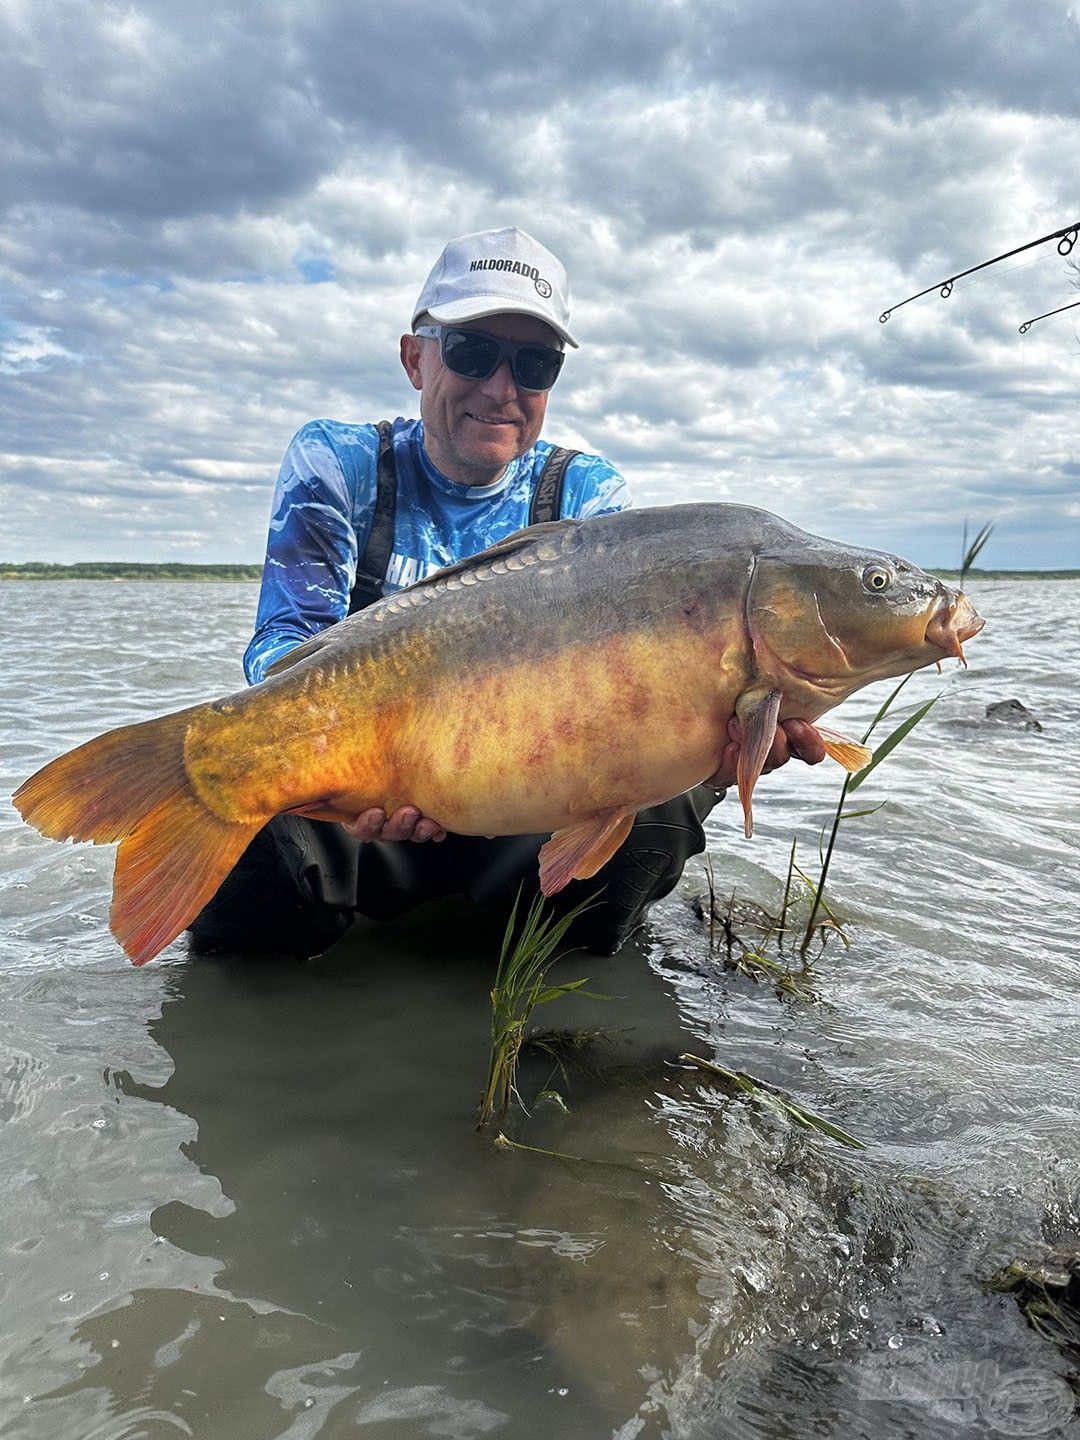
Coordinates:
[738,194]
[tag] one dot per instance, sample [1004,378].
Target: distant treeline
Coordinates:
[121,570]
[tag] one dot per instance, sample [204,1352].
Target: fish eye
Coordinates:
[877,578]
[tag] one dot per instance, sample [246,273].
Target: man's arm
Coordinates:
[311,549]
[593,487]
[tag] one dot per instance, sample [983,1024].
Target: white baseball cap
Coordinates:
[495,272]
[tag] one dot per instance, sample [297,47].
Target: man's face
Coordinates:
[473,429]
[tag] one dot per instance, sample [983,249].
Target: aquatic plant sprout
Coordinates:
[754,961]
[520,986]
[971,552]
[850,785]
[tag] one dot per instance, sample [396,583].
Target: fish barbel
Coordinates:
[561,681]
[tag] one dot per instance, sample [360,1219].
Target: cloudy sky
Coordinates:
[216,217]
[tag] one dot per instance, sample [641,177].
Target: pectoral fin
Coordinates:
[853,755]
[757,716]
[579,851]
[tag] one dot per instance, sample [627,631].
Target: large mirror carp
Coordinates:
[561,681]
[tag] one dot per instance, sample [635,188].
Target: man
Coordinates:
[363,510]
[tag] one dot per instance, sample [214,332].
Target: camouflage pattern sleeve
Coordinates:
[310,552]
[593,487]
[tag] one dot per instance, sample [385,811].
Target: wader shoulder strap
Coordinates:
[371,565]
[547,497]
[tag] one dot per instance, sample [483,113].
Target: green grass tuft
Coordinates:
[520,986]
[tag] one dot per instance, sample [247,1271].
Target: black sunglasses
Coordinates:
[475,354]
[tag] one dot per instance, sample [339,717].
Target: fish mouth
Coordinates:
[954,621]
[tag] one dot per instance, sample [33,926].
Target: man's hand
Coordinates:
[793,737]
[405,823]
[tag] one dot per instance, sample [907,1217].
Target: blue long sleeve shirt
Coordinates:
[322,514]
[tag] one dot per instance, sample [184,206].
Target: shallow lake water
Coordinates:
[248,1200]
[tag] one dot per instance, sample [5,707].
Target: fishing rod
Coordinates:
[1066,238]
[1026,326]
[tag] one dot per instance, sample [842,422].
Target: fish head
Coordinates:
[827,622]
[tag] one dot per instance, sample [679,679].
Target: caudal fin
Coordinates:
[130,785]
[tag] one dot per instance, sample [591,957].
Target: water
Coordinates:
[242,1200]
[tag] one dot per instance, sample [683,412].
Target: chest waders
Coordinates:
[300,883]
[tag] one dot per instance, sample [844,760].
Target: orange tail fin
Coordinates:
[130,785]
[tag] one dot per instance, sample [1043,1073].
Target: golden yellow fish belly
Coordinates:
[536,744]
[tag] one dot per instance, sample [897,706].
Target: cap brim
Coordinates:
[478,309]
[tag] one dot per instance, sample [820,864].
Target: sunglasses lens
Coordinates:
[466,353]
[476,356]
[537,369]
